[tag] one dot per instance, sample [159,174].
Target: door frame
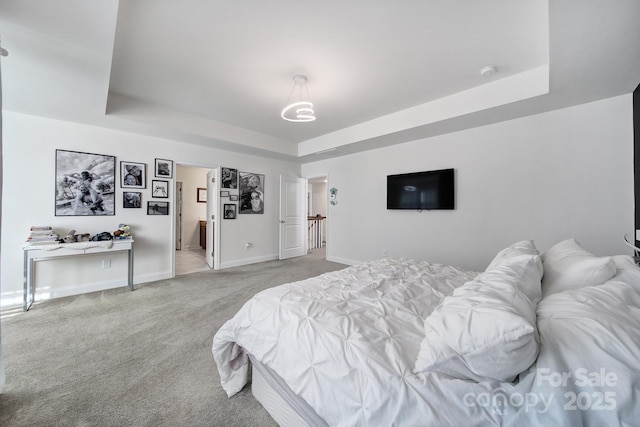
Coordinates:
[325,176]
[172,198]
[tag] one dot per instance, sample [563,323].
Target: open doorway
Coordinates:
[317,198]
[191,201]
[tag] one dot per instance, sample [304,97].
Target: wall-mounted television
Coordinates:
[421,190]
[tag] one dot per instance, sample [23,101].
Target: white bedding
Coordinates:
[347,342]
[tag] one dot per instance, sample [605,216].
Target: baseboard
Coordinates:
[343,260]
[14,299]
[43,294]
[247,261]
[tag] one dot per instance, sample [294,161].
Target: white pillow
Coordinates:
[523,248]
[567,265]
[485,330]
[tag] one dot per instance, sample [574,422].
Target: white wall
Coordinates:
[566,173]
[319,199]
[29,170]
[192,211]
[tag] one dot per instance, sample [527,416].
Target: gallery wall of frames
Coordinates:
[86,184]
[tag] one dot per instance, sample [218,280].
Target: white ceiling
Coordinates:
[380,72]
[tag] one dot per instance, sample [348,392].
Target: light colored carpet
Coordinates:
[142,358]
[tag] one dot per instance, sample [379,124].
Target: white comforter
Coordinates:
[347,341]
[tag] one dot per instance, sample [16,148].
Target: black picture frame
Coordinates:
[233,197]
[133,175]
[229,178]
[85,184]
[201,195]
[159,189]
[131,200]
[157,208]
[251,186]
[230,211]
[224,194]
[164,168]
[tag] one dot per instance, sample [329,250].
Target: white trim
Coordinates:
[247,261]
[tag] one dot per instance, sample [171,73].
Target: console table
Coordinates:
[33,253]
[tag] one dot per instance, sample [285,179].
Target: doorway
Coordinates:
[317,218]
[191,215]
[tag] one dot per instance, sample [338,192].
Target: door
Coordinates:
[178,216]
[212,253]
[293,193]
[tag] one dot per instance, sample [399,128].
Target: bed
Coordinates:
[551,339]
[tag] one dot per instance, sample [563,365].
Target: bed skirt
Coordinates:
[285,407]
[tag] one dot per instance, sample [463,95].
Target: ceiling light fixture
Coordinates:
[300,110]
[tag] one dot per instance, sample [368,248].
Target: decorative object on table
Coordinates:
[133,175]
[85,184]
[100,237]
[229,178]
[333,196]
[42,235]
[131,199]
[230,210]
[123,232]
[251,193]
[157,208]
[70,237]
[160,189]
[164,168]
[201,195]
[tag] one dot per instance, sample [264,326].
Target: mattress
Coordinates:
[284,406]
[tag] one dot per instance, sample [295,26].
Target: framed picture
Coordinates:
[224,194]
[164,168]
[85,184]
[157,208]
[133,175]
[159,189]
[131,200]
[229,178]
[233,197]
[202,195]
[251,193]
[230,210]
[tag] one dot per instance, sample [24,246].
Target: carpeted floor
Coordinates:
[142,358]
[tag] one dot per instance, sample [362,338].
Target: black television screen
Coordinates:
[421,190]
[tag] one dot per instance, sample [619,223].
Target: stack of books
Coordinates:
[42,235]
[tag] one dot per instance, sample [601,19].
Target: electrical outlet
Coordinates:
[106,263]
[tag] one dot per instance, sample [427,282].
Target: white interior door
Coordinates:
[293,212]
[212,253]
[178,215]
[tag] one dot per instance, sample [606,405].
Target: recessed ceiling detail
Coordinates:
[383,72]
